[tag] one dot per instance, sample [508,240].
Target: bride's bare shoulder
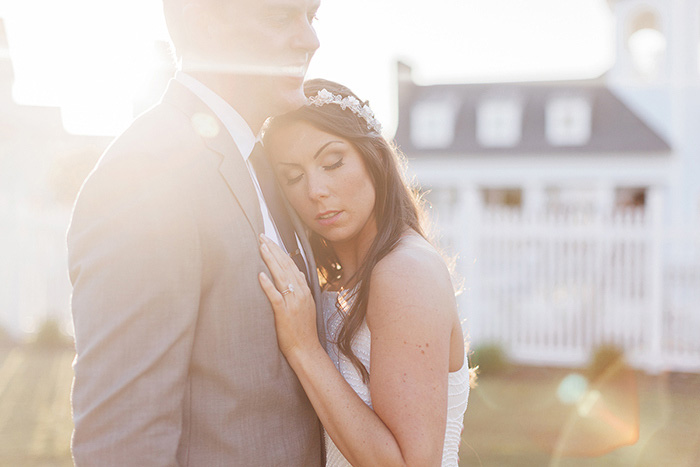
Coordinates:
[413,276]
[413,256]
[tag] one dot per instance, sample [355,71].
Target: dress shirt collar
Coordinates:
[235,124]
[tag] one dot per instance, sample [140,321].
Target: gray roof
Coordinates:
[615,128]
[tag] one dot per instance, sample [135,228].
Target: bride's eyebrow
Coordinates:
[318,153]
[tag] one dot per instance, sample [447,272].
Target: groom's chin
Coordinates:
[290,97]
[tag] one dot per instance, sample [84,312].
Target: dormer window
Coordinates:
[433,123]
[499,122]
[568,121]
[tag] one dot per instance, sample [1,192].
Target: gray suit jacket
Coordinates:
[177,358]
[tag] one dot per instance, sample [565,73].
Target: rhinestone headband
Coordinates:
[324,97]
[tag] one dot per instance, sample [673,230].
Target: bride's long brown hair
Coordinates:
[396,208]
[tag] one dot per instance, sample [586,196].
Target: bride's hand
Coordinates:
[289,294]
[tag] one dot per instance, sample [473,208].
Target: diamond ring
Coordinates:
[289,289]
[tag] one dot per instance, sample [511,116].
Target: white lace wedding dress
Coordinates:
[458,384]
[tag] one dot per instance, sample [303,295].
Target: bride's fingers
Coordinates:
[283,259]
[283,269]
[283,280]
[271,291]
[273,264]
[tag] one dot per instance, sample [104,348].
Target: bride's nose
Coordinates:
[317,186]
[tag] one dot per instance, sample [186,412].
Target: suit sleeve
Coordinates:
[135,265]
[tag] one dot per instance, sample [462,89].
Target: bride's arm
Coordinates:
[409,315]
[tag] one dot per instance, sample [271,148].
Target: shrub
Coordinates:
[6,338]
[50,334]
[489,358]
[606,358]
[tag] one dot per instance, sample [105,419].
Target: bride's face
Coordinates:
[325,180]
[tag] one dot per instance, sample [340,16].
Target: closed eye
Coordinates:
[334,166]
[292,181]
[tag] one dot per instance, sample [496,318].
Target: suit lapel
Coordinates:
[237,176]
[235,172]
[233,168]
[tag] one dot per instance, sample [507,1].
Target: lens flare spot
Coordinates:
[586,404]
[572,388]
[206,125]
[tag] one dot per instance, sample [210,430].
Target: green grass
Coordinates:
[35,418]
[514,417]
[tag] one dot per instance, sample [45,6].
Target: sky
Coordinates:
[108,45]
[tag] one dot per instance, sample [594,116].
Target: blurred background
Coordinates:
[558,145]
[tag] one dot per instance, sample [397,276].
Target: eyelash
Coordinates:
[336,165]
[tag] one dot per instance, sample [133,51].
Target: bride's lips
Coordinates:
[328,217]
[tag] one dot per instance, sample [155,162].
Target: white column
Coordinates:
[533,198]
[605,198]
[656,359]
[468,214]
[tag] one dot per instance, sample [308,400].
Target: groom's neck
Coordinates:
[234,90]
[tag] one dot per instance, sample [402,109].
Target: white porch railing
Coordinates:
[551,288]
[33,269]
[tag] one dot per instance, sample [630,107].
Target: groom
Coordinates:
[177,359]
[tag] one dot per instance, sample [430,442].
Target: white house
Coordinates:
[41,169]
[574,206]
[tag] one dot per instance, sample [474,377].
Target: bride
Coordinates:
[391,386]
